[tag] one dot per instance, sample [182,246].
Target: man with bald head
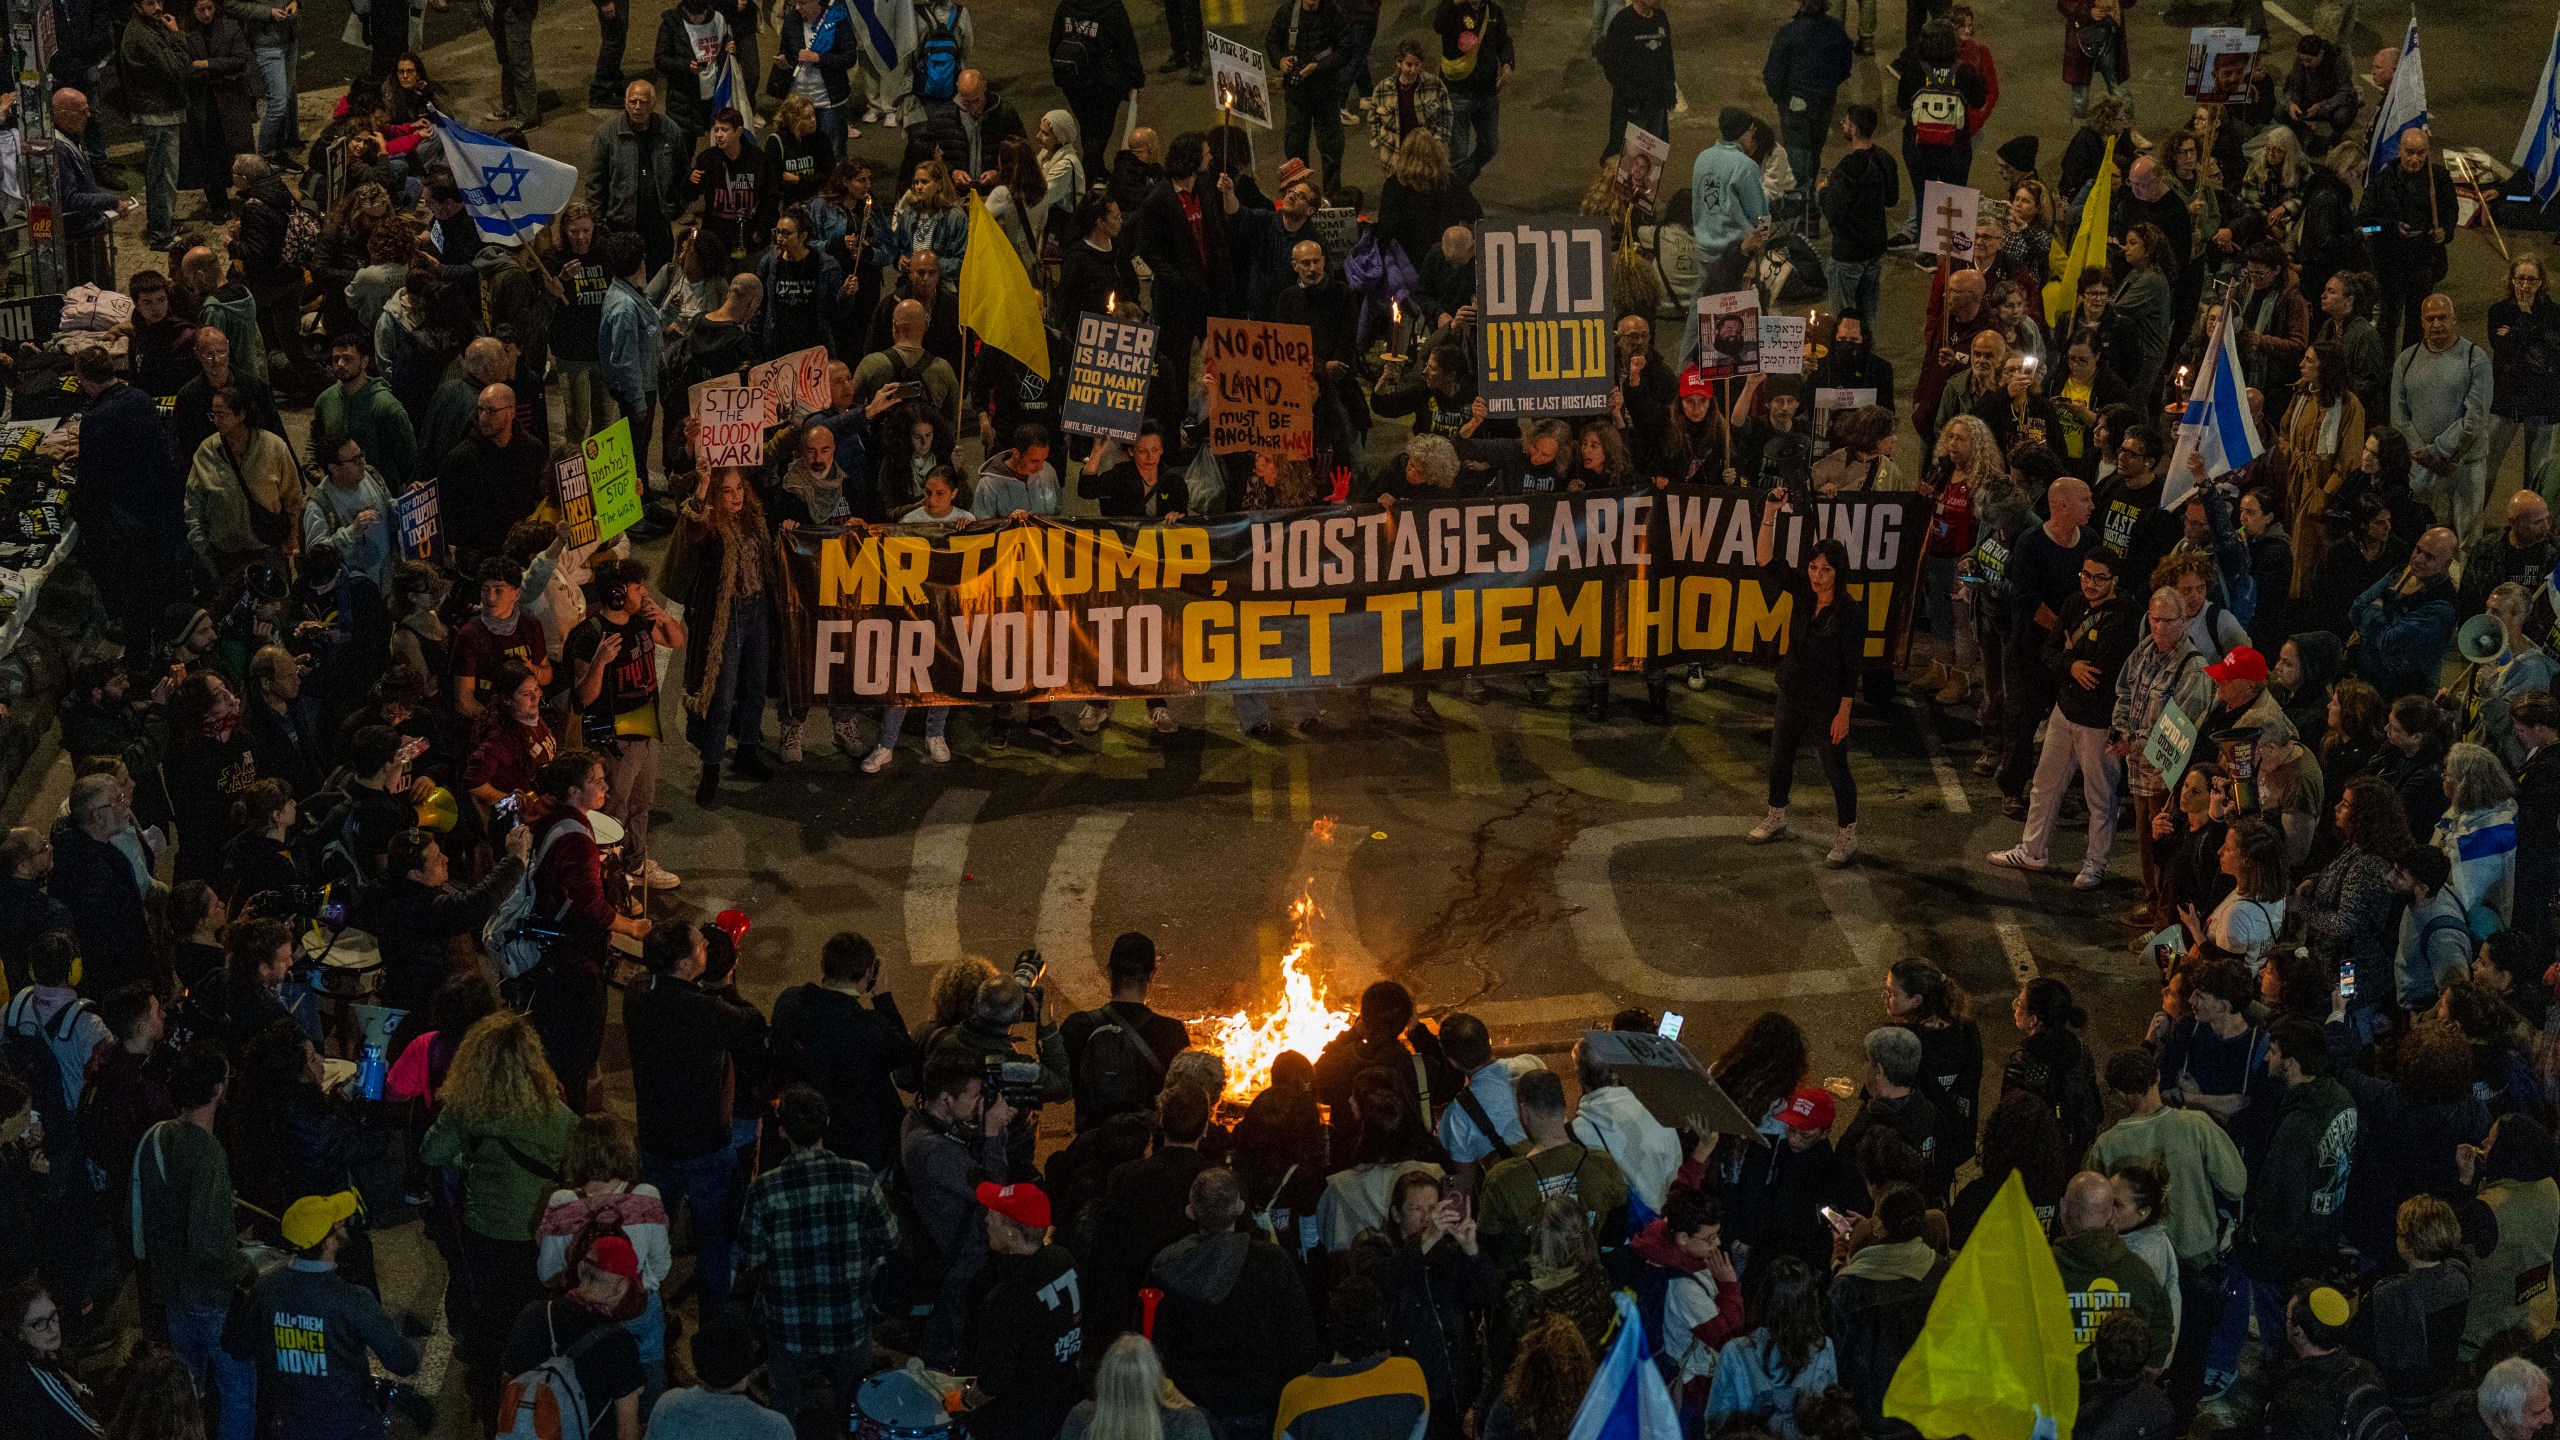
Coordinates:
[2100,1276]
[923,378]
[2412,201]
[492,480]
[1966,317]
[88,209]
[192,419]
[2403,625]
[2044,581]
[920,279]
[449,421]
[2521,551]
[966,131]
[2441,388]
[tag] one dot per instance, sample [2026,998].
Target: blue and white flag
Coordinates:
[730,92]
[887,30]
[2404,105]
[2538,148]
[2217,427]
[510,192]
[1627,1400]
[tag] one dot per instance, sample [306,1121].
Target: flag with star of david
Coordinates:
[2538,148]
[510,191]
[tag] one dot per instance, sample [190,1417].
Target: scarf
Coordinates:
[2312,430]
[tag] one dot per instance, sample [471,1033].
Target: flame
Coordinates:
[1303,1020]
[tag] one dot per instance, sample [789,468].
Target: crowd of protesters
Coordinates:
[2316,1198]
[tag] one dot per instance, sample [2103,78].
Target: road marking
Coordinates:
[1546,738]
[1950,787]
[1265,763]
[2285,17]
[1475,766]
[2013,943]
[1065,929]
[933,878]
[1600,932]
[1715,755]
[1123,752]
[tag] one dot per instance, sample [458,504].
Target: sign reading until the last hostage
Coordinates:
[1542,319]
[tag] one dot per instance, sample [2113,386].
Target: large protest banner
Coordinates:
[1542,323]
[1107,377]
[1051,609]
[1262,388]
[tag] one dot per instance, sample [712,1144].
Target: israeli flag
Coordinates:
[2538,148]
[2217,427]
[1626,1400]
[887,31]
[2404,105]
[730,90]
[510,192]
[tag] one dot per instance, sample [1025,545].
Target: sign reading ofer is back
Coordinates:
[1050,609]
[1542,317]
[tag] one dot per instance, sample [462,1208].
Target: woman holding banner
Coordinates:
[1826,649]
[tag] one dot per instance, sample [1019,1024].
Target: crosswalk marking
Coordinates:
[1475,767]
[1546,738]
[933,878]
[1065,929]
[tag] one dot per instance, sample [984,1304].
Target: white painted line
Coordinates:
[1589,1011]
[1950,786]
[933,878]
[1065,929]
[2013,943]
[2285,18]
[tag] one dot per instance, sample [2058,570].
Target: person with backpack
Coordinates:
[49,1034]
[316,1330]
[1550,1163]
[1481,1125]
[602,1194]
[819,52]
[1094,58]
[565,891]
[186,1244]
[1687,1292]
[1117,1052]
[965,132]
[945,35]
[2324,1391]
[577,1370]
[2295,1191]
[1938,93]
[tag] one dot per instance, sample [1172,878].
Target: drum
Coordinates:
[351,968]
[613,852]
[894,1405]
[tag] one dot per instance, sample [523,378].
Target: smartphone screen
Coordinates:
[1672,1020]
[1837,1220]
[2347,980]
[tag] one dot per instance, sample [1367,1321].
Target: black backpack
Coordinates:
[1117,1071]
[2367,1415]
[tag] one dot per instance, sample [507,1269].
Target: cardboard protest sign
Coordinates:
[1238,82]
[1843,399]
[1669,1082]
[575,499]
[729,423]
[2171,745]
[1782,344]
[1542,322]
[1107,377]
[1729,334]
[1262,388]
[613,476]
[1949,215]
[797,383]
[420,526]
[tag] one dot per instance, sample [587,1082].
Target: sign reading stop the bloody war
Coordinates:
[729,423]
[1053,609]
[1542,320]
[1107,378]
[1262,388]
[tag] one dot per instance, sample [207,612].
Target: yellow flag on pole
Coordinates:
[1997,1359]
[996,298]
[2088,247]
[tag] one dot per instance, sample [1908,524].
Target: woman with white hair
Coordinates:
[2478,833]
[2515,1399]
[1133,1401]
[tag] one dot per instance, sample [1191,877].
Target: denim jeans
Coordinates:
[1475,133]
[705,1181]
[160,183]
[1803,132]
[282,124]
[1356,41]
[937,720]
[794,1374]
[737,692]
[2244,1297]
[195,1334]
[1855,282]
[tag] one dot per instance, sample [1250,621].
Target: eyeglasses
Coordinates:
[2136,451]
[44,1319]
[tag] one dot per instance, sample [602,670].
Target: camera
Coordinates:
[1028,967]
[1016,1081]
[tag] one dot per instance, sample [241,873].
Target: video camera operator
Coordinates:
[1027,1081]
[415,911]
[952,1141]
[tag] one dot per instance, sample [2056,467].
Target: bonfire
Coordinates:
[1303,1018]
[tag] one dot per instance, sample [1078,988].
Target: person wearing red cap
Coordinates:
[1025,1342]
[1775,1206]
[584,1326]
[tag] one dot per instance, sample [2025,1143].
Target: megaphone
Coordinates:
[2481,638]
[438,812]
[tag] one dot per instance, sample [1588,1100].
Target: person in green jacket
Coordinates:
[2206,1173]
[186,1240]
[504,1127]
[364,409]
[2100,1276]
[2295,1194]
[2511,1285]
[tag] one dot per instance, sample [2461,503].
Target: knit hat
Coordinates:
[2020,153]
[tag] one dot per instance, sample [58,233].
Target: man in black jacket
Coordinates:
[94,880]
[2536,717]
[1306,41]
[1185,246]
[1235,1325]
[416,911]
[2412,202]
[1855,196]
[1093,57]
[1136,1044]
[26,911]
[1026,1332]
[681,1042]
[2084,655]
[827,1037]
[965,131]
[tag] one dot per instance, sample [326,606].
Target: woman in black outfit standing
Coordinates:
[1920,998]
[1826,645]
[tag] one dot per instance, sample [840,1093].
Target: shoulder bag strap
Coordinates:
[1474,1109]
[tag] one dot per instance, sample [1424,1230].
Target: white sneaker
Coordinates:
[658,877]
[849,737]
[889,118]
[791,741]
[2090,877]
[1090,718]
[2016,858]
[1844,847]
[1771,826]
[937,750]
[1162,718]
[877,761]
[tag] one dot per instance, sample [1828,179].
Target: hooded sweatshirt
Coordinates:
[1647,1151]
[1235,1325]
[1698,1316]
[2296,1192]
[2101,1276]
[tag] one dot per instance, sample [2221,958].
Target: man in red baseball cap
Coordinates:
[1785,1186]
[1026,1329]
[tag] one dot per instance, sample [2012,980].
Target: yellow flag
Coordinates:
[996,298]
[2088,248]
[1997,1356]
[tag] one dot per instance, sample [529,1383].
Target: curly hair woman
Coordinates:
[1543,1388]
[722,566]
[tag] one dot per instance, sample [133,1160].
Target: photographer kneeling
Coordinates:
[953,1140]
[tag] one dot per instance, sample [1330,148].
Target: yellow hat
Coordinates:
[309,1220]
[2330,1308]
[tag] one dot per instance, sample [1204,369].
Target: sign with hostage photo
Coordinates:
[1057,609]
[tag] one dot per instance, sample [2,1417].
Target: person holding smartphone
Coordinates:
[844,1038]
[1817,674]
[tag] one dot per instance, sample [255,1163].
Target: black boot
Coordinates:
[706,793]
[753,763]
[1657,701]
[1596,704]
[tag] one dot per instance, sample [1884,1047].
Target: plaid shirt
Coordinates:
[2143,689]
[819,1229]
